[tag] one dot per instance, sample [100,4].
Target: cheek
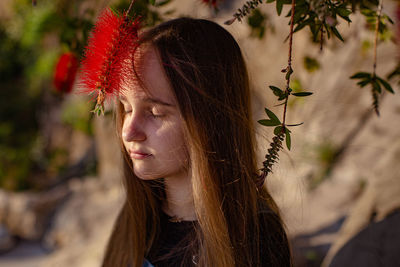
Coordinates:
[123,136]
[173,142]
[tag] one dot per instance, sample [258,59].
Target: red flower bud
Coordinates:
[65,72]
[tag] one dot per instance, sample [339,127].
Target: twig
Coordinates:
[376,34]
[277,140]
[322,38]
[289,68]
[130,7]
[375,95]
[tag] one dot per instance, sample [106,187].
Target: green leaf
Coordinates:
[376,86]
[311,64]
[276,90]
[279,6]
[297,124]
[343,12]
[283,97]
[363,83]
[288,141]
[385,84]
[389,19]
[269,122]
[359,75]
[272,116]
[394,73]
[328,30]
[270,1]
[315,29]
[288,73]
[300,10]
[283,103]
[278,130]
[300,26]
[162,3]
[336,32]
[302,94]
[152,2]
[368,12]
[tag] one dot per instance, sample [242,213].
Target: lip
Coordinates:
[134,154]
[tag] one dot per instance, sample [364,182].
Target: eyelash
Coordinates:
[149,112]
[155,115]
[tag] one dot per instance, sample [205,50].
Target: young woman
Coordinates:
[190,169]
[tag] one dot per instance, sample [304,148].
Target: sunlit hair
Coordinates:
[209,79]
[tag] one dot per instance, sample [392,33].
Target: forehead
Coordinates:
[150,78]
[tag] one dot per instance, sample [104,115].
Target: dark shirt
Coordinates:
[170,248]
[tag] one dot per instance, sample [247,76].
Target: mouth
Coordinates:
[138,154]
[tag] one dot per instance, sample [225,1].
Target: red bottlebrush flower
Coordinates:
[65,72]
[113,39]
[211,2]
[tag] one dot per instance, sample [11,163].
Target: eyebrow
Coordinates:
[149,100]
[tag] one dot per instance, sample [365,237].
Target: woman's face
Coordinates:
[152,126]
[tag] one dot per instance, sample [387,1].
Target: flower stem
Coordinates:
[289,68]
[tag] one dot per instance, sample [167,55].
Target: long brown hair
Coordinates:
[209,79]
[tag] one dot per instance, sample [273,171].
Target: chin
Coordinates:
[146,174]
[146,177]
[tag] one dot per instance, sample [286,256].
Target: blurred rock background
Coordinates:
[60,174]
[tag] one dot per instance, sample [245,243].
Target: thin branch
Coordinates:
[289,68]
[376,34]
[375,95]
[130,7]
[322,39]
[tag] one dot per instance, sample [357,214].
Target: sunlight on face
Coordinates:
[152,126]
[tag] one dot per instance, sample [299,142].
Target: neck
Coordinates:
[179,201]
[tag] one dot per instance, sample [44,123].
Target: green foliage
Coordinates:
[282,95]
[257,21]
[376,83]
[29,47]
[395,73]
[288,140]
[326,154]
[149,16]
[280,129]
[244,11]
[296,87]
[77,115]
[279,93]
[18,123]
[322,19]
[371,18]
[15,166]
[301,94]
[366,45]
[311,64]
[320,16]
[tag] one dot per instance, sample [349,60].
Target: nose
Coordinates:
[132,129]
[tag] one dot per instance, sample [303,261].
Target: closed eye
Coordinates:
[127,110]
[155,114]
